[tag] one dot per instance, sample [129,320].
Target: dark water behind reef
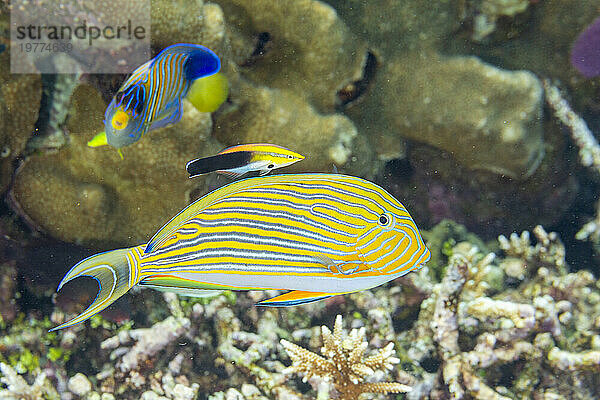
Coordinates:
[480,116]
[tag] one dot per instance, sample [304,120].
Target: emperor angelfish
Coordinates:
[316,235]
[152,96]
[242,159]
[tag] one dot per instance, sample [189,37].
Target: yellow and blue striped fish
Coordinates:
[151,97]
[242,159]
[317,235]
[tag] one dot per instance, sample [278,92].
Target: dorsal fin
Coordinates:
[201,60]
[196,207]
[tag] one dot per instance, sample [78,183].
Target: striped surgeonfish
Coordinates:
[239,160]
[151,97]
[317,235]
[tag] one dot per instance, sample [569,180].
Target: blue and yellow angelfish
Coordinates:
[152,96]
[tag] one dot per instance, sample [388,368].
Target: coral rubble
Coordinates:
[475,333]
[18,389]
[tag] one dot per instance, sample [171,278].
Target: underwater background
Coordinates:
[479,116]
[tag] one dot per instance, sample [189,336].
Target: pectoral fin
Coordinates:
[294,298]
[344,268]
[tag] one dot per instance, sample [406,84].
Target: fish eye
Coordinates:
[120,120]
[384,219]
[270,166]
[290,156]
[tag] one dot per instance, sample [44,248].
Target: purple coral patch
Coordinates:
[585,55]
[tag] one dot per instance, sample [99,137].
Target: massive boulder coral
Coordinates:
[469,124]
[309,51]
[187,22]
[285,90]
[20,97]
[89,196]
[282,117]
[485,117]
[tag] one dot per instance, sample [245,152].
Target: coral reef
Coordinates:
[266,113]
[345,364]
[188,22]
[492,109]
[474,335]
[18,389]
[329,77]
[469,123]
[148,342]
[411,89]
[20,97]
[487,13]
[111,201]
[441,102]
[304,56]
[312,51]
[471,324]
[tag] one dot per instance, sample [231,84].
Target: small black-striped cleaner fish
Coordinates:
[151,97]
[240,160]
[317,235]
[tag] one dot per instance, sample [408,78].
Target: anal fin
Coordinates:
[294,298]
[183,291]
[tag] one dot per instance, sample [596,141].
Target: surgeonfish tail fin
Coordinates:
[201,62]
[114,276]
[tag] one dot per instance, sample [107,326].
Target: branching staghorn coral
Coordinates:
[344,362]
[591,230]
[549,250]
[568,361]
[148,342]
[534,340]
[589,148]
[18,389]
